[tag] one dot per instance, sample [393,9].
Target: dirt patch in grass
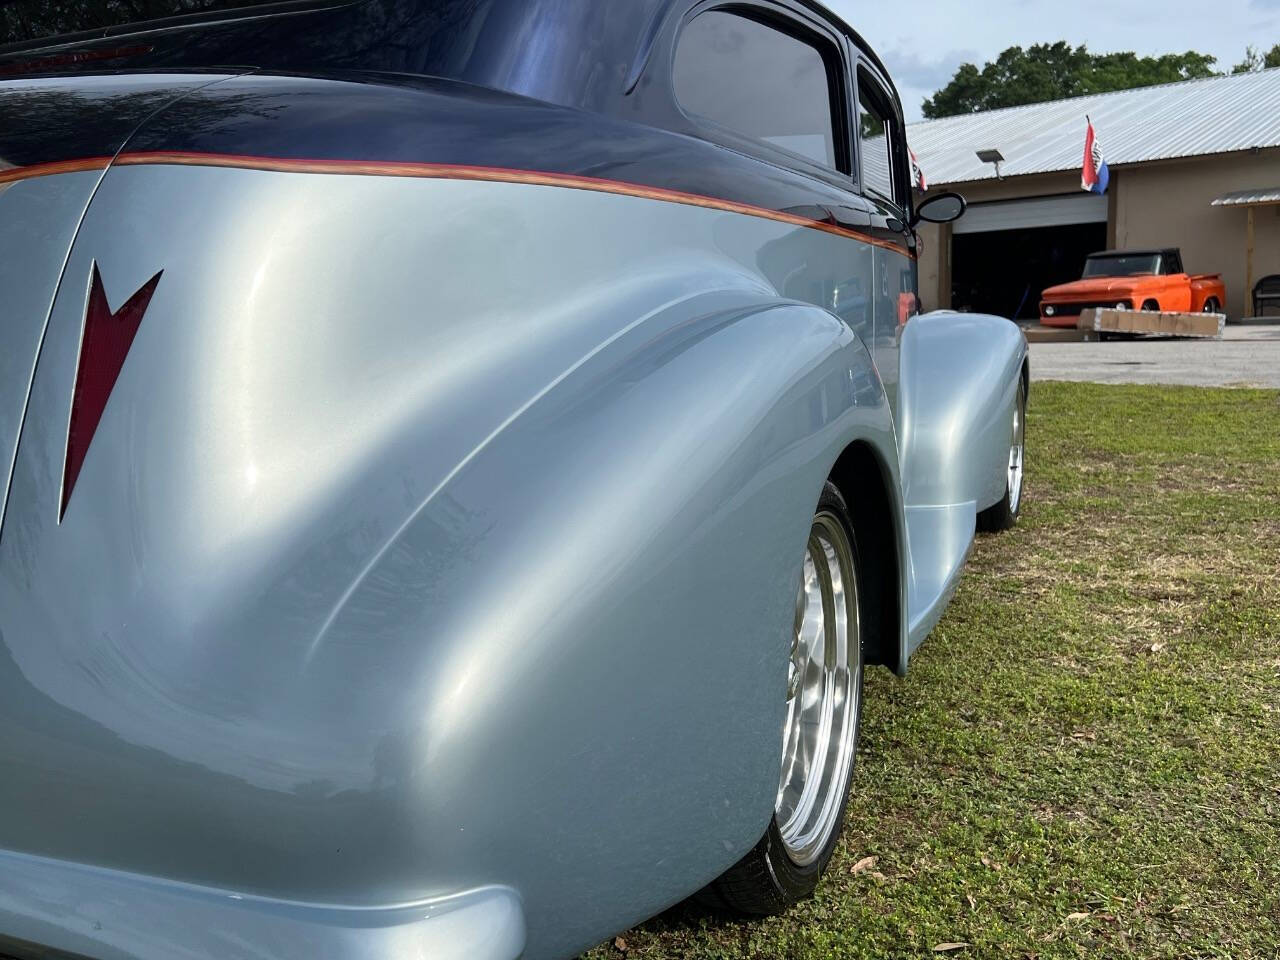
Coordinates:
[1085,758]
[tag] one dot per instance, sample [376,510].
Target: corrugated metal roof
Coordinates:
[1247,198]
[1188,119]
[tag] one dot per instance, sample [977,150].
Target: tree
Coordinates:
[25,20]
[1253,60]
[1053,71]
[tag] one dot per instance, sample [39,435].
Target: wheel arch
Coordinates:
[866,483]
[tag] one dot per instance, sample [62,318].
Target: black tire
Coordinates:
[1150,305]
[1003,515]
[1212,306]
[767,880]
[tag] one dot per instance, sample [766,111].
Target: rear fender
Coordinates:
[1205,286]
[624,580]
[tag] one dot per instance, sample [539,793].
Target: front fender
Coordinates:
[959,377]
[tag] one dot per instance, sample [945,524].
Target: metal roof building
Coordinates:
[1194,164]
[1173,120]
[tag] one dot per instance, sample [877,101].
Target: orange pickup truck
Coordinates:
[1133,280]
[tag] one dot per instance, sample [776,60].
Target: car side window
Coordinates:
[759,81]
[877,141]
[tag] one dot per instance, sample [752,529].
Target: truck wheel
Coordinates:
[1151,305]
[1211,305]
[1004,514]
[820,733]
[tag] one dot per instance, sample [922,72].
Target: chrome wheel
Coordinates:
[1016,449]
[824,684]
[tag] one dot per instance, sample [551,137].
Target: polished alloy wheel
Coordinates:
[824,684]
[1016,449]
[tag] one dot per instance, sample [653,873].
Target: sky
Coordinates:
[923,41]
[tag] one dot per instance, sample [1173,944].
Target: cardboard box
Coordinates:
[1152,323]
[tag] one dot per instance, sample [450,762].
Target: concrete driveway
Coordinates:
[1246,356]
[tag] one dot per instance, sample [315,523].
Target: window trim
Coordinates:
[878,94]
[828,44]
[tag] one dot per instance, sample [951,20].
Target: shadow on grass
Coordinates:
[688,918]
[691,915]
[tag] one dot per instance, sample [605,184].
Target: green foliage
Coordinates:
[1054,71]
[26,20]
[1255,60]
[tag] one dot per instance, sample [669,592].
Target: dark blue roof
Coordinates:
[564,51]
[579,53]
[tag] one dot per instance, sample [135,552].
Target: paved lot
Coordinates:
[1246,356]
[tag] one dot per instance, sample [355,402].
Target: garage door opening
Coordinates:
[1003,272]
[1004,254]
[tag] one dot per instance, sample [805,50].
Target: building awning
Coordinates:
[1248,198]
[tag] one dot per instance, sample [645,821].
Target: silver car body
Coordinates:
[427,588]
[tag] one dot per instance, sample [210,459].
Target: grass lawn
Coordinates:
[1085,757]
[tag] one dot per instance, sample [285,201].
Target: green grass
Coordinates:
[1085,757]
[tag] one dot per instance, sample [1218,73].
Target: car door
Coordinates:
[772,79]
[1176,292]
[885,184]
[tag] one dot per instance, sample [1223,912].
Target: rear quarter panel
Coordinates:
[425,518]
[56,137]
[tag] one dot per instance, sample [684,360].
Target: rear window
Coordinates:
[27,21]
[759,81]
[1122,265]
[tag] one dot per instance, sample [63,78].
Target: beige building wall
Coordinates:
[1169,204]
[935,250]
[1165,203]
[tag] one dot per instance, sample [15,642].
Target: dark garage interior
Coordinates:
[1003,271]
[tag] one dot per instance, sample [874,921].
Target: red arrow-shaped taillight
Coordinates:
[104,344]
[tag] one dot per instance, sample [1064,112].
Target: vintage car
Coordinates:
[1133,280]
[458,462]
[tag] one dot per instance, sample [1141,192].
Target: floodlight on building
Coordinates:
[992,156]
